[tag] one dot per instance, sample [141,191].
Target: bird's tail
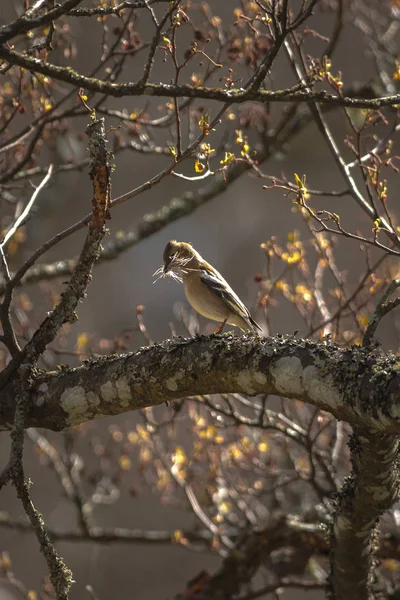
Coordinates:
[254,325]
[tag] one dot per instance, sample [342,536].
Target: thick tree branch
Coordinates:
[165,90]
[372,489]
[358,385]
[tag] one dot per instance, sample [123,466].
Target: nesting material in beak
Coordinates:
[167,270]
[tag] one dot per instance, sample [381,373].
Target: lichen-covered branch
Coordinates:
[65,310]
[356,384]
[167,90]
[22,369]
[372,489]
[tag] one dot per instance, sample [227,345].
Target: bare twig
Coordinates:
[25,213]
[382,309]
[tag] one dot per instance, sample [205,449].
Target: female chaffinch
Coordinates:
[205,288]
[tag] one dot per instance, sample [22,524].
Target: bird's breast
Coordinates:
[203,300]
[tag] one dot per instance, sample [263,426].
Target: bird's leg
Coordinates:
[221,326]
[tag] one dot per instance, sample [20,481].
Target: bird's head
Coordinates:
[177,255]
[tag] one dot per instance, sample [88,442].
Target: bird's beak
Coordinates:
[169,263]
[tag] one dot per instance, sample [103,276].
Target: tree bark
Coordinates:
[372,489]
[358,385]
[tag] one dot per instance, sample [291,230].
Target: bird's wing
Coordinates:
[219,286]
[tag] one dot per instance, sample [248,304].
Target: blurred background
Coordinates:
[228,231]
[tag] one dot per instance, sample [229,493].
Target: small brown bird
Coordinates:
[205,288]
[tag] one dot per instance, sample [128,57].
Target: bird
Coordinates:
[205,288]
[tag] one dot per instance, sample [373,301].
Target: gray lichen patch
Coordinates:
[172,383]
[108,391]
[74,402]
[78,404]
[291,378]
[287,373]
[92,399]
[321,388]
[124,391]
[245,381]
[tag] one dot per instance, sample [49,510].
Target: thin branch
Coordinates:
[330,141]
[285,583]
[25,23]
[24,215]
[156,39]
[108,10]
[164,90]
[337,30]
[9,175]
[115,535]
[382,309]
